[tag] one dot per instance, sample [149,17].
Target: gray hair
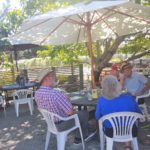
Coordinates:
[111,88]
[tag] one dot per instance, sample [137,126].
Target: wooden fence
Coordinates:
[66,74]
[7,77]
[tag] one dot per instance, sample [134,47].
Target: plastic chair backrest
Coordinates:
[122,123]
[23,93]
[144,105]
[147,94]
[50,120]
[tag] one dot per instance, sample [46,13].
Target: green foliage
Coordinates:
[9,24]
[62,78]
[12,21]
[32,7]
[44,51]
[144,2]
[69,53]
[65,54]
[5,78]
[4,61]
[139,44]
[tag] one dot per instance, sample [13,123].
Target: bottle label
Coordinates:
[94,93]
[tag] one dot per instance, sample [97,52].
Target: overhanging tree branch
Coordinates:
[139,55]
[107,55]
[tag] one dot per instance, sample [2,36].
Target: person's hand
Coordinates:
[74,110]
[121,77]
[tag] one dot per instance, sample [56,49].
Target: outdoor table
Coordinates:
[81,100]
[16,86]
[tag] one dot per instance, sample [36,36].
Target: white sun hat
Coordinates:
[43,74]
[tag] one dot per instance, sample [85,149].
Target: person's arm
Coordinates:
[64,104]
[69,113]
[145,88]
[122,80]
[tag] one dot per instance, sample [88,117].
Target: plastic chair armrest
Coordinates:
[143,96]
[74,116]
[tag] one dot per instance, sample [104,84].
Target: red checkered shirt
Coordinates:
[53,101]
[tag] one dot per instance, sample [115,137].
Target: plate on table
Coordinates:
[75,93]
[75,97]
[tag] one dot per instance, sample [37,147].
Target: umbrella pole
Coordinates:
[90,49]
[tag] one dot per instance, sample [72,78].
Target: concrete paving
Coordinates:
[28,133]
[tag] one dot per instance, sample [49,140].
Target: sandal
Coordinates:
[128,148]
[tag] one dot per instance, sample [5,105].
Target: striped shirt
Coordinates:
[53,101]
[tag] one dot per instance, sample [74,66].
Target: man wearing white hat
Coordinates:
[54,101]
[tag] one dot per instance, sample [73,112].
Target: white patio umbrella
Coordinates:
[84,22]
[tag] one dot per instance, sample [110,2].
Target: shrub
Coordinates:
[62,78]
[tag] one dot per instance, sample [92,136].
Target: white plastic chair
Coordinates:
[61,135]
[122,124]
[143,106]
[3,104]
[21,97]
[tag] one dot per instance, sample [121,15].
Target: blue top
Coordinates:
[121,103]
[135,83]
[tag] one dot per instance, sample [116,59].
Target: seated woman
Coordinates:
[113,101]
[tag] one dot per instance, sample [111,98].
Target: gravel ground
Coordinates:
[28,133]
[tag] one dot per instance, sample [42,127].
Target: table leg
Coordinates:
[85,108]
[79,107]
[82,107]
[5,95]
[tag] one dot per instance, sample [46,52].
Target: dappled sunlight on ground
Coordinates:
[15,130]
[28,133]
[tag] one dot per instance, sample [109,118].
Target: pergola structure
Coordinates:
[19,47]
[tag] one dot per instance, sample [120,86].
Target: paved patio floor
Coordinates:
[28,133]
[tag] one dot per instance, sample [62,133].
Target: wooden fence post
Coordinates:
[81,76]
[72,69]
[12,69]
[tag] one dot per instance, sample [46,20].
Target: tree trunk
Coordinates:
[110,49]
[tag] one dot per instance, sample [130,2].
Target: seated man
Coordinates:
[135,83]
[54,101]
